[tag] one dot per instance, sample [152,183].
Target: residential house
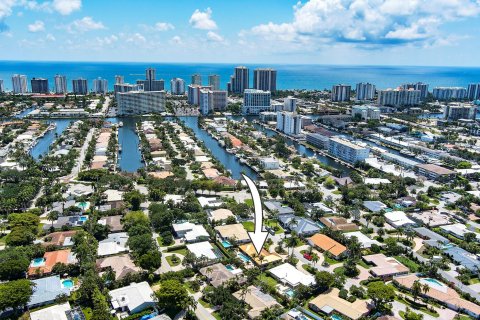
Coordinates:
[133,298]
[327,244]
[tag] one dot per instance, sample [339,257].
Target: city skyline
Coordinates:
[390,32]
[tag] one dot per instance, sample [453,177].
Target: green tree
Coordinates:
[13,263]
[381,294]
[15,294]
[324,280]
[172,294]
[416,289]
[101,310]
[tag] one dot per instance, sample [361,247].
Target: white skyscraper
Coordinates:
[214,82]
[341,92]
[2,88]
[290,104]
[119,79]
[19,83]
[365,91]
[449,93]
[256,101]
[100,85]
[197,79]
[60,84]
[177,86]
[289,122]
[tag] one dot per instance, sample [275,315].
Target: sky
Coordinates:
[345,32]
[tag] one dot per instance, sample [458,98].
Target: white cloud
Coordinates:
[213,36]
[176,40]
[367,23]
[163,26]
[137,38]
[50,37]
[203,20]
[66,7]
[106,41]
[37,26]
[85,24]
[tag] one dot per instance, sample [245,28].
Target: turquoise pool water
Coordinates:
[83,219]
[67,283]
[226,244]
[290,293]
[230,267]
[38,262]
[336,317]
[434,281]
[244,257]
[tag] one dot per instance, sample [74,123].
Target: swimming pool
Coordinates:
[67,283]
[336,317]
[434,281]
[82,218]
[229,267]
[38,262]
[244,257]
[289,292]
[226,244]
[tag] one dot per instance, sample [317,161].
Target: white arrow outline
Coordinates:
[259,235]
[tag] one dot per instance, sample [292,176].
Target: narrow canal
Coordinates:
[43,144]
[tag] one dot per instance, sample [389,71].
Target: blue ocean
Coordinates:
[288,76]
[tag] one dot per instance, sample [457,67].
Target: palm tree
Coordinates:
[315,258]
[425,289]
[399,233]
[52,216]
[416,289]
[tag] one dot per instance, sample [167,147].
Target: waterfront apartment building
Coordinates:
[239,82]
[317,140]
[177,86]
[422,87]
[256,101]
[341,92]
[398,97]
[19,83]
[140,102]
[2,88]
[289,123]
[366,112]
[473,91]
[265,79]
[197,79]
[39,85]
[214,82]
[193,93]
[126,87]
[212,101]
[290,104]
[100,85]
[150,83]
[60,84]
[347,150]
[365,91]
[456,111]
[119,79]
[80,86]
[449,93]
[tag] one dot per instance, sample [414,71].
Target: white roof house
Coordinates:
[134,298]
[209,202]
[191,232]
[291,276]
[459,230]
[115,243]
[202,249]
[376,181]
[365,241]
[55,312]
[113,195]
[398,219]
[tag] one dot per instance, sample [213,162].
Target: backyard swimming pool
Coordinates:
[226,244]
[67,283]
[38,262]
[244,257]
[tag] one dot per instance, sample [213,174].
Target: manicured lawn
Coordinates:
[249,202]
[204,303]
[171,263]
[474,280]
[267,279]
[363,264]
[410,264]
[331,261]
[273,224]
[249,225]
[416,306]
[182,251]
[339,271]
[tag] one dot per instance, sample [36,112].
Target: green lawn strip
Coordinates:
[330,260]
[273,224]
[410,264]
[267,279]
[249,202]
[363,264]
[249,226]
[182,251]
[171,263]
[417,306]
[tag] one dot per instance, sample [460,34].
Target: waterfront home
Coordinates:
[269,163]
[330,303]
[398,219]
[190,232]
[121,265]
[257,300]
[46,290]
[114,198]
[234,232]
[385,267]
[291,276]
[204,250]
[114,244]
[133,298]
[441,293]
[66,221]
[77,190]
[41,266]
[327,244]
[276,206]
[250,254]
